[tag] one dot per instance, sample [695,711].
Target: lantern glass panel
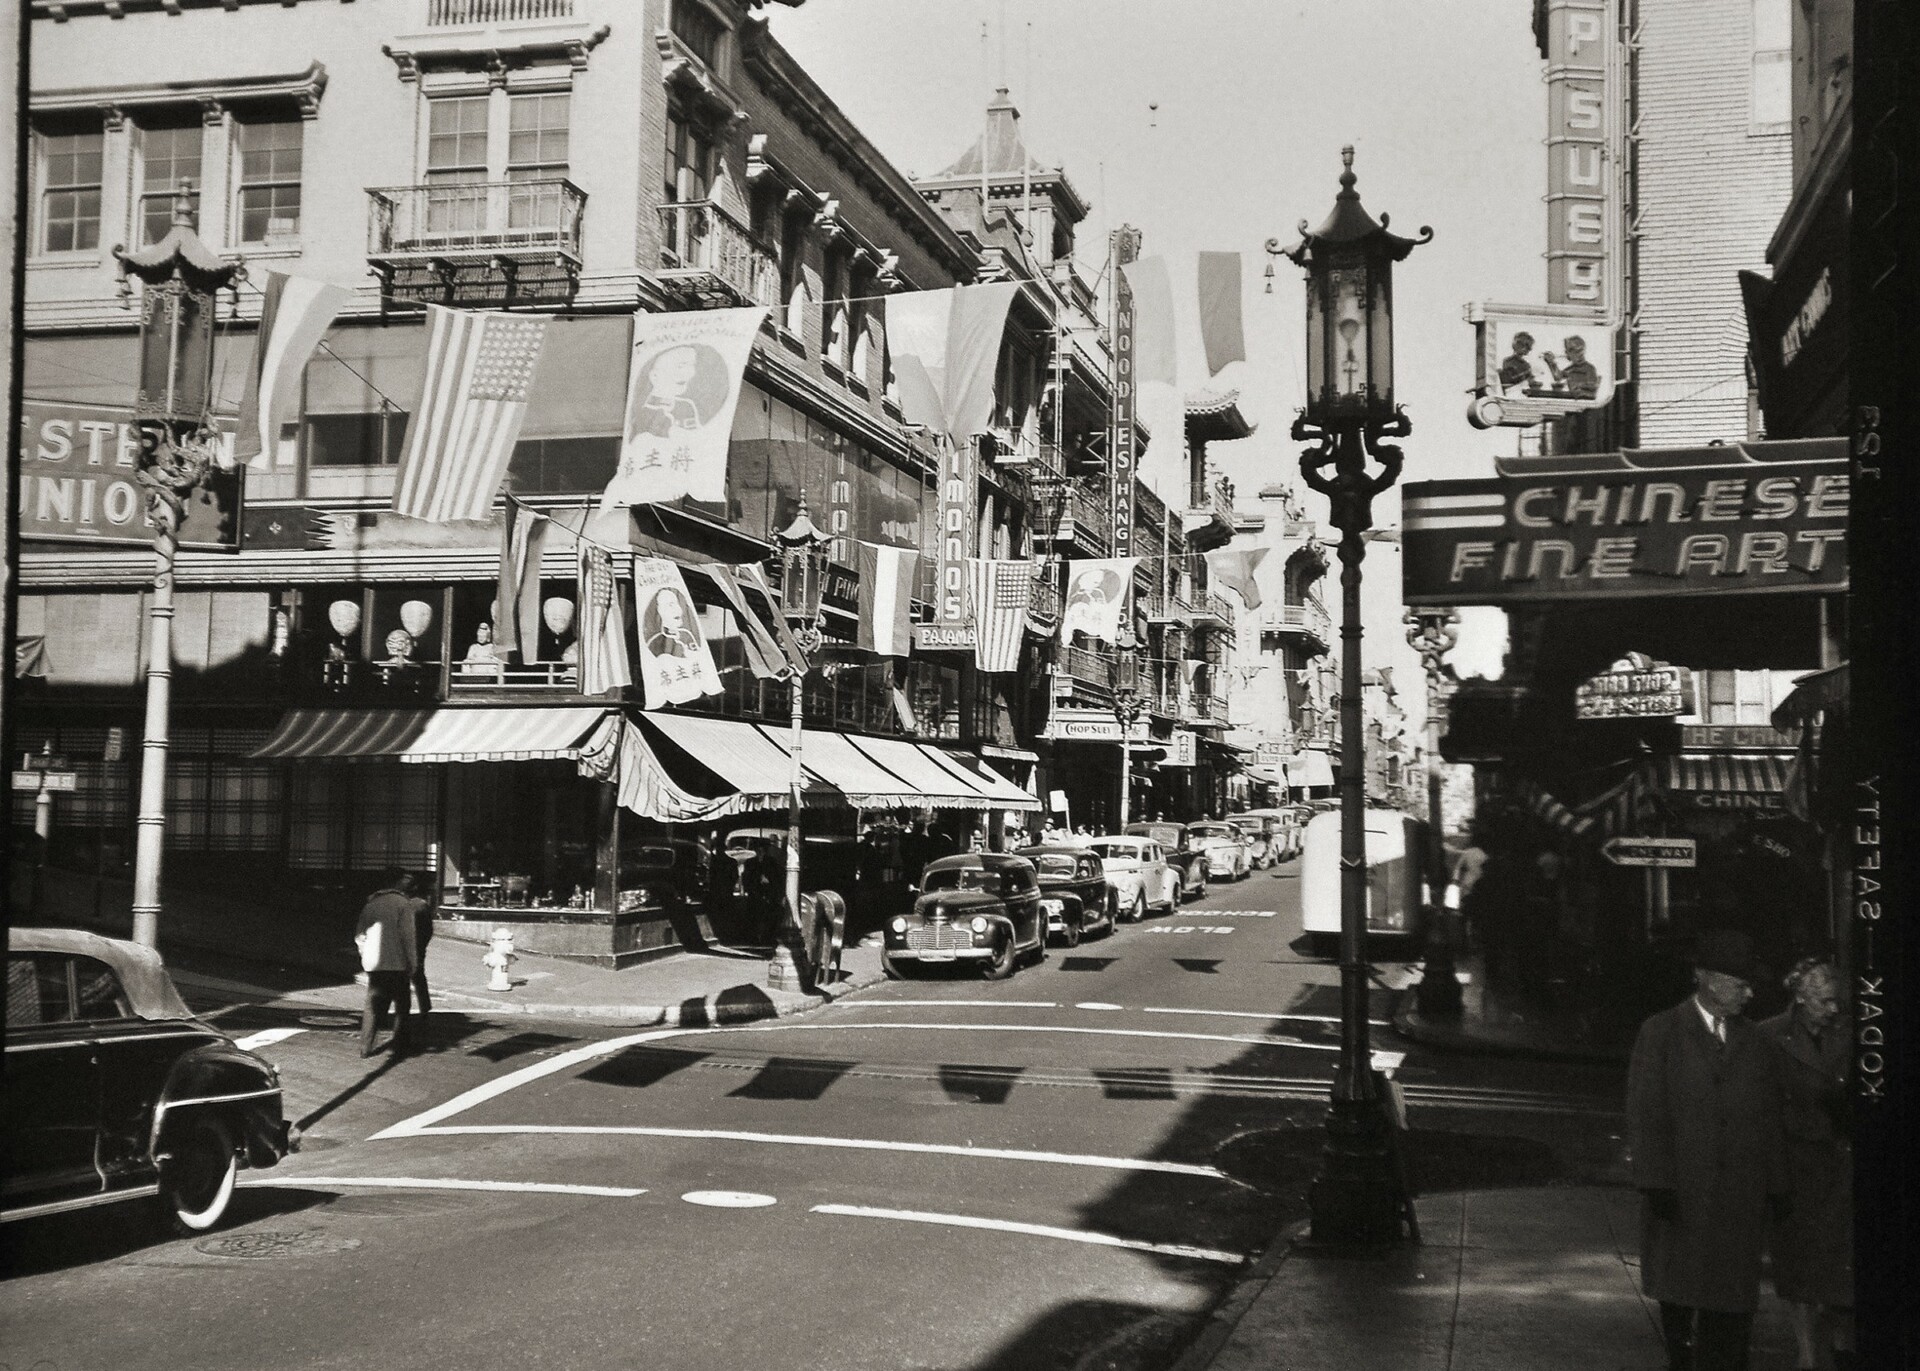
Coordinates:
[1380,333]
[1347,336]
[176,355]
[1317,382]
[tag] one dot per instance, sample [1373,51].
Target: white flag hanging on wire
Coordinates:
[682,388]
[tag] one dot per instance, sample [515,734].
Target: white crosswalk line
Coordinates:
[1035,1230]
[266,1037]
[422,1183]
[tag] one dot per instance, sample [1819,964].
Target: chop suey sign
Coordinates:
[1758,518]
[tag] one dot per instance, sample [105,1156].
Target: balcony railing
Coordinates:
[1309,617]
[1085,665]
[1089,522]
[475,217]
[706,255]
[441,12]
[489,678]
[1168,609]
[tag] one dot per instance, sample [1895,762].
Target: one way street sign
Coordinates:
[1668,852]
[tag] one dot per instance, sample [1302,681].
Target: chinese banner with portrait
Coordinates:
[681,391]
[675,664]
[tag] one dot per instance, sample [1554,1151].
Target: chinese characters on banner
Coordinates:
[676,666]
[682,387]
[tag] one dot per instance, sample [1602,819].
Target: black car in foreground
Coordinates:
[1075,899]
[980,907]
[115,1091]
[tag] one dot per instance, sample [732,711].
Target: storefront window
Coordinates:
[362,816]
[522,835]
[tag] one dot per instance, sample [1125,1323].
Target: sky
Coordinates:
[1217,125]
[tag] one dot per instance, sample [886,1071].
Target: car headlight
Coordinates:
[979,924]
[899,925]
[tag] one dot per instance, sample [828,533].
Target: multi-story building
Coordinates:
[586,160]
[581,158]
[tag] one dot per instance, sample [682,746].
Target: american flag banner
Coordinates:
[1001,592]
[479,370]
[602,626]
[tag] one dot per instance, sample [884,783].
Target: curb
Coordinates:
[1226,1316]
[1408,1023]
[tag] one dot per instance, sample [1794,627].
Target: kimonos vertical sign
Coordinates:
[957,529]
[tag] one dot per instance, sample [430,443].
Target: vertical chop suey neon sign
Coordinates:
[1538,362]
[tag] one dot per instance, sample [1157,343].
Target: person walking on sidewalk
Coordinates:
[1813,1249]
[385,935]
[1708,1154]
[422,935]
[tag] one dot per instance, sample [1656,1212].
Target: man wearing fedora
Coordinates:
[1708,1151]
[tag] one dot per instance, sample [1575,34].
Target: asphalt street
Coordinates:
[1067,1169]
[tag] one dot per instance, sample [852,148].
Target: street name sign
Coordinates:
[56,780]
[41,761]
[1656,852]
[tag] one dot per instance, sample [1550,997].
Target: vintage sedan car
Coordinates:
[979,907]
[1138,870]
[1267,836]
[1074,894]
[1228,857]
[115,1091]
[1182,854]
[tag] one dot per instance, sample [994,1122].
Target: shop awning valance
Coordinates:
[839,768]
[556,733]
[1728,773]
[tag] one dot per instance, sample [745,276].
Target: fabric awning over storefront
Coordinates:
[1728,773]
[867,773]
[434,735]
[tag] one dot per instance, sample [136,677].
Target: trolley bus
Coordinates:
[1395,889]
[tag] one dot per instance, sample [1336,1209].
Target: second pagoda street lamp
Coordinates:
[1123,676]
[1360,1196]
[173,407]
[1432,633]
[803,577]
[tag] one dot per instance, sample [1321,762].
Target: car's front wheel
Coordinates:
[895,971]
[1004,961]
[1138,910]
[1076,929]
[197,1180]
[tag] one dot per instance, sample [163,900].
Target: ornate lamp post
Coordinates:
[1359,1197]
[803,574]
[1123,675]
[180,278]
[1432,633]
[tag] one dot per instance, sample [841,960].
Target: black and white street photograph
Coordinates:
[959,685]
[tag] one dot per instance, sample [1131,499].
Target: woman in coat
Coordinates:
[1813,1249]
[1708,1155]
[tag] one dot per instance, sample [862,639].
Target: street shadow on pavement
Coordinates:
[1092,1333]
[735,1004]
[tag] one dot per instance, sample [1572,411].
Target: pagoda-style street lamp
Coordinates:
[1123,677]
[180,279]
[803,575]
[1432,633]
[1359,1198]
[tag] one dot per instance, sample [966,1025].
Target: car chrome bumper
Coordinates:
[940,954]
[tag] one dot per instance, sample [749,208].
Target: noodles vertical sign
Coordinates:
[1126,247]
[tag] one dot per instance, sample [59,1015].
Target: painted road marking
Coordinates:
[1249,1014]
[729,1199]
[1012,1154]
[266,1037]
[1035,1230]
[1096,1004]
[419,1183]
[942,1004]
[1192,928]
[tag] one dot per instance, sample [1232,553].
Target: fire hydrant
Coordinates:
[499,957]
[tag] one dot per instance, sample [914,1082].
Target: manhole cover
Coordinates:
[311,1242]
[330,1020]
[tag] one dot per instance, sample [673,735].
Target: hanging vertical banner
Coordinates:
[682,386]
[958,521]
[1126,247]
[1001,591]
[1096,593]
[675,665]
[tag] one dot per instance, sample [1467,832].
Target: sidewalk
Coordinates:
[222,950]
[1490,1024]
[1508,1280]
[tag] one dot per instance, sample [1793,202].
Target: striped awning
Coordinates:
[555,733]
[1728,773]
[838,768]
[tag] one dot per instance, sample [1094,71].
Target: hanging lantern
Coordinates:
[416,616]
[1349,263]
[557,614]
[344,615]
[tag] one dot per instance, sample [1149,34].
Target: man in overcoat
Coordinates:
[1704,1130]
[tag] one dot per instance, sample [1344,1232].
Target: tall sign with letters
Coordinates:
[1538,362]
[1126,247]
